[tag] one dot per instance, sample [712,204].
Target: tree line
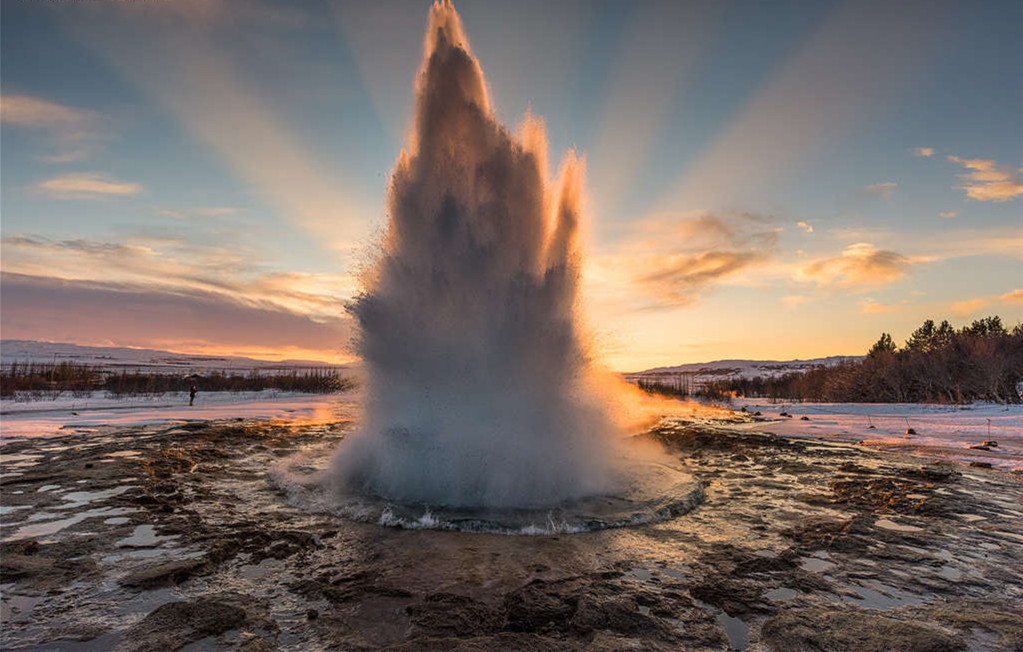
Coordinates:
[49,380]
[982,361]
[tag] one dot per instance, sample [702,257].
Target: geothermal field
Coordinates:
[487,485]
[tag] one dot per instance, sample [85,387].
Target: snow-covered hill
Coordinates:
[154,360]
[721,369]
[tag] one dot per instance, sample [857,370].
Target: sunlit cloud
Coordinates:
[971,306]
[805,226]
[869,306]
[988,181]
[146,315]
[948,214]
[884,190]
[86,185]
[181,264]
[678,280]
[671,260]
[860,265]
[923,151]
[71,131]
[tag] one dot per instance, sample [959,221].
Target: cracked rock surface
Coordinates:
[166,538]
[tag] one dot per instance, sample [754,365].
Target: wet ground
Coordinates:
[174,537]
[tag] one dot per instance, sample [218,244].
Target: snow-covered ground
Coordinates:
[940,430]
[46,418]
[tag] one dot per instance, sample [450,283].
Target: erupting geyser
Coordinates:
[478,381]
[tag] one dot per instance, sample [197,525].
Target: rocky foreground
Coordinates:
[156,538]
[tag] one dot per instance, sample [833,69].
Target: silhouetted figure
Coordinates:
[191,395]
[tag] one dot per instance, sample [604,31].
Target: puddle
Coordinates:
[47,487]
[52,527]
[7,509]
[117,520]
[640,574]
[816,565]
[781,593]
[144,536]
[76,499]
[886,598]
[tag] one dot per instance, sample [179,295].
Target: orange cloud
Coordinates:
[870,307]
[87,185]
[677,280]
[923,151]
[970,306]
[859,265]
[948,214]
[988,181]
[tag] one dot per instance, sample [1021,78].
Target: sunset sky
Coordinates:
[764,180]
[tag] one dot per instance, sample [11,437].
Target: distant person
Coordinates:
[191,395]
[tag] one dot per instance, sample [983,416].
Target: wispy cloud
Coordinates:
[673,260]
[805,226]
[861,265]
[71,131]
[679,279]
[970,306]
[884,190]
[988,181]
[87,185]
[948,214]
[197,212]
[923,151]
[182,319]
[869,306]
[177,262]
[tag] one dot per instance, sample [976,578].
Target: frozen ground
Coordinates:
[945,431]
[68,414]
[166,537]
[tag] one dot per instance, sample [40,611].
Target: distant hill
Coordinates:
[112,357]
[720,369]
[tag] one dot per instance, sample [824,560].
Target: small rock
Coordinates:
[164,574]
[981,465]
[910,431]
[978,447]
[992,444]
[804,418]
[88,465]
[312,614]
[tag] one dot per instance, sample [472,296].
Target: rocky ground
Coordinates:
[166,538]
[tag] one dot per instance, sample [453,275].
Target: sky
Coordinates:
[763,180]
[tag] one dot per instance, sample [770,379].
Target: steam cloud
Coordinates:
[478,380]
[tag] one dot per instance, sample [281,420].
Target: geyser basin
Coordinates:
[654,491]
